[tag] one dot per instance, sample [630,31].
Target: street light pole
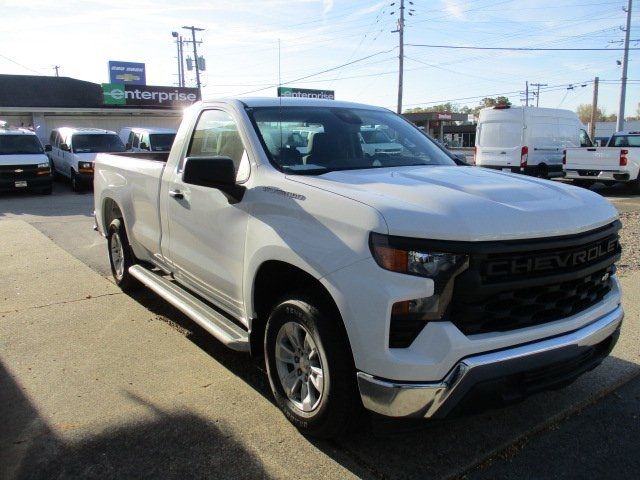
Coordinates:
[195,53]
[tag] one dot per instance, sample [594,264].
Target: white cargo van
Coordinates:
[148,139]
[527,140]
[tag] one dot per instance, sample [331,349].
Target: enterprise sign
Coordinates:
[306,93]
[148,95]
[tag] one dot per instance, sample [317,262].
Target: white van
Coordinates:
[73,151]
[23,163]
[147,139]
[527,140]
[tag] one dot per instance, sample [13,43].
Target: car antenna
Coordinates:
[279,95]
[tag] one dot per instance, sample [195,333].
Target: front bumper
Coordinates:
[9,185]
[549,363]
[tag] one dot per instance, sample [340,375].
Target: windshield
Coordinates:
[161,142]
[96,143]
[336,139]
[19,145]
[375,136]
[625,141]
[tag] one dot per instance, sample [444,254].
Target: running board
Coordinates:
[211,320]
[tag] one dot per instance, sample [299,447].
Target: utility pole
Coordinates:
[56,67]
[195,53]
[625,61]
[400,31]
[538,85]
[594,109]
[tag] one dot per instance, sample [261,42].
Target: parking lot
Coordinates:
[99,384]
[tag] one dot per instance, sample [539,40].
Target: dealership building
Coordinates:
[44,103]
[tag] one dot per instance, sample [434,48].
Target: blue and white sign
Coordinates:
[128,73]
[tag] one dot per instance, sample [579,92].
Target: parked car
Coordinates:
[619,161]
[23,162]
[376,141]
[402,283]
[527,140]
[73,151]
[147,139]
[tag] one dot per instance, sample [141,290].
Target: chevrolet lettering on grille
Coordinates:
[523,265]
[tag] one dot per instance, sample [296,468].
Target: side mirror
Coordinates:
[47,148]
[127,146]
[64,147]
[144,146]
[213,172]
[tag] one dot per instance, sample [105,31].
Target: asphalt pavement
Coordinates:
[98,384]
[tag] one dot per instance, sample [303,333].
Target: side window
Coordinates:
[136,140]
[585,141]
[216,134]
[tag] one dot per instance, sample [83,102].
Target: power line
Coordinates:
[528,49]
[20,64]
[320,72]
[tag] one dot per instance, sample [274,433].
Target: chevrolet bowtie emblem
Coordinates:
[18,170]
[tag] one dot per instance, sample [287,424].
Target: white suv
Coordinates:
[73,151]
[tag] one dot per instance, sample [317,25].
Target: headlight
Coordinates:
[415,257]
[400,256]
[44,165]
[85,165]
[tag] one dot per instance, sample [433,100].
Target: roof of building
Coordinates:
[43,91]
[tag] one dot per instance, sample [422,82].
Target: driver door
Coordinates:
[206,234]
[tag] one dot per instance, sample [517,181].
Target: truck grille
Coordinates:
[511,285]
[18,172]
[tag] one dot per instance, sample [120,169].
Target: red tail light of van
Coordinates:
[524,156]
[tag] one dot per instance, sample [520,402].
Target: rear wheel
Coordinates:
[310,368]
[120,256]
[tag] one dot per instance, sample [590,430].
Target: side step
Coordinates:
[212,321]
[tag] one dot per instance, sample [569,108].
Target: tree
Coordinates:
[584,113]
[443,107]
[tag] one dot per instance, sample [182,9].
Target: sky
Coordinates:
[241,37]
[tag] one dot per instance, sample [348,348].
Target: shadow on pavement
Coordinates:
[416,449]
[172,445]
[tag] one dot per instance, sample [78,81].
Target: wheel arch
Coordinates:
[273,280]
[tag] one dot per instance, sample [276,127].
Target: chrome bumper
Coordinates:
[436,400]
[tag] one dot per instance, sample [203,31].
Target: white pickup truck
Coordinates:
[619,161]
[401,283]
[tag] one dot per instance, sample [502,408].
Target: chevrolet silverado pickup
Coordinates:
[402,284]
[619,161]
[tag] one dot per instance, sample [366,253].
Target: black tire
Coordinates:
[122,277]
[339,407]
[542,171]
[76,186]
[582,183]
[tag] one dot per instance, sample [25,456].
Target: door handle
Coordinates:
[177,194]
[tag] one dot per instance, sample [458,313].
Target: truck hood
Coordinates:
[26,159]
[468,203]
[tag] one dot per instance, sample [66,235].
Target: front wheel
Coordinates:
[310,368]
[120,256]
[76,186]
